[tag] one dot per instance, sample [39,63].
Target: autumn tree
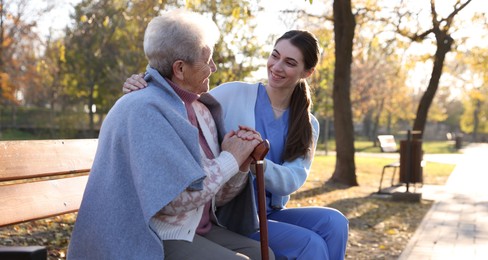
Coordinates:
[105,45]
[379,95]
[18,50]
[103,48]
[474,120]
[322,83]
[344,28]
[441,28]
[48,90]
[344,25]
[130,35]
[238,53]
[438,112]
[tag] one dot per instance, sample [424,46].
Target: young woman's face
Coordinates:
[285,65]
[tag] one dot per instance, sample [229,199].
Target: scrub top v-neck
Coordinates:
[271,128]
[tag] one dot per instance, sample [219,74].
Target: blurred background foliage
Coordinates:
[60,85]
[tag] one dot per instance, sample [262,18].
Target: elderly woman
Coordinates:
[159,172]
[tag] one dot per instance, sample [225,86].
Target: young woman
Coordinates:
[280,112]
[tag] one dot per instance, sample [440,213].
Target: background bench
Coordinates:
[41,179]
[387,143]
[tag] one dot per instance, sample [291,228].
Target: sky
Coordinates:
[268,22]
[58,18]
[271,22]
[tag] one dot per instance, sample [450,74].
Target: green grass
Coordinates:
[368,169]
[379,227]
[364,146]
[431,147]
[11,134]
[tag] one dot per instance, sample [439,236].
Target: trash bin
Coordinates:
[459,141]
[411,161]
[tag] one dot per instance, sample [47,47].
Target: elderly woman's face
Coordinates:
[196,78]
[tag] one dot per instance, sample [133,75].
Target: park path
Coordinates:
[456,227]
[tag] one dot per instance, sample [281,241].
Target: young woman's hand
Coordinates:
[134,82]
[247,133]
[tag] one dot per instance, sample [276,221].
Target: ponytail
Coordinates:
[299,138]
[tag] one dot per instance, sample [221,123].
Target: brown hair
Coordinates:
[299,138]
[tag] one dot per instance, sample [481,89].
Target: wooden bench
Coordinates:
[394,166]
[387,143]
[41,179]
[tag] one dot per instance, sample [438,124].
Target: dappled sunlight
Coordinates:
[379,227]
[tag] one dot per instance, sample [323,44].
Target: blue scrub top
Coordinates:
[271,128]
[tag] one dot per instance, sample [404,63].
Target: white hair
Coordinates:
[178,35]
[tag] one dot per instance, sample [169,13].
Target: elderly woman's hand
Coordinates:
[135,82]
[240,148]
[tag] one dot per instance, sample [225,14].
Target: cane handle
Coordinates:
[260,151]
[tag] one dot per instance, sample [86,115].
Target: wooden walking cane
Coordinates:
[258,159]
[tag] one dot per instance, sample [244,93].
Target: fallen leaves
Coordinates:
[379,227]
[54,233]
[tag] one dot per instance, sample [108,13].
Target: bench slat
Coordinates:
[45,157]
[387,143]
[36,200]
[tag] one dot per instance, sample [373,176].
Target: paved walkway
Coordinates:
[456,227]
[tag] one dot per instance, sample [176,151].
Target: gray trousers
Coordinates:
[219,243]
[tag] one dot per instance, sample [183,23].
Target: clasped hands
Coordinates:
[241,143]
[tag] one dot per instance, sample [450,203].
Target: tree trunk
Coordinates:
[91,97]
[444,42]
[377,120]
[368,124]
[1,52]
[476,121]
[2,11]
[344,26]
